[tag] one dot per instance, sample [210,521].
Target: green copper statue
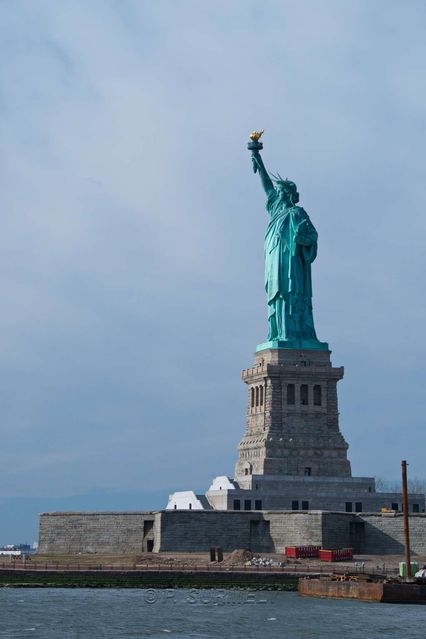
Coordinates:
[290,248]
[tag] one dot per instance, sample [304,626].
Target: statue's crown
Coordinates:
[279,180]
[291,186]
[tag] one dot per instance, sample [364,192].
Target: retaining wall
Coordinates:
[197,531]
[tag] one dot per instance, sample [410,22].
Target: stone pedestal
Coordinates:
[293,456]
[292,417]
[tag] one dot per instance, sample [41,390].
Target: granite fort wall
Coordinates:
[176,531]
[261,532]
[192,531]
[187,531]
[295,529]
[98,532]
[336,530]
[384,534]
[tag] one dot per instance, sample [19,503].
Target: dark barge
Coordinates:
[364,588]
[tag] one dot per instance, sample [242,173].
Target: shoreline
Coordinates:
[180,570]
[161,579]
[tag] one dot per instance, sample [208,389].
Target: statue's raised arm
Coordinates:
[255,146]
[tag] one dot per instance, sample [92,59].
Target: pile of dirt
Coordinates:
[238,557]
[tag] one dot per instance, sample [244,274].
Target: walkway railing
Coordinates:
[61,567]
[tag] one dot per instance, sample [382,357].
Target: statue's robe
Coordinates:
[290,248]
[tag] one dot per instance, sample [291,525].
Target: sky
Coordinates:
[131,266]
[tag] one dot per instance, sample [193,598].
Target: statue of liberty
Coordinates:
[289,250]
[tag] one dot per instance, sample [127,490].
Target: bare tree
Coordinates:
[415,485]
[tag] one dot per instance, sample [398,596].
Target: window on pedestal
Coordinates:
[304,394]
[416,508]
[358,507]
[295,505]
[305,505]
[257,395]
[247,504]
[258,504]
[252,398]
[291,397]
[348,506]
[317,395]
[395,506]
[237,504]
[308,471]
[261,395]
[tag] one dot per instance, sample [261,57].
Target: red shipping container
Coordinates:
[302,552]
[336,555]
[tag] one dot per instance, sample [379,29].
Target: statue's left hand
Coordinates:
[305,234]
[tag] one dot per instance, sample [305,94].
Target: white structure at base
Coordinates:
[188,500]
[222,483]
[184,500]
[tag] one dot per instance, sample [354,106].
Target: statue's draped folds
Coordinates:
[290,248]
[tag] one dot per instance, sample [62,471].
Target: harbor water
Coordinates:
[80,613]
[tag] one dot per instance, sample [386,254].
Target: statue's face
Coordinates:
[284,193]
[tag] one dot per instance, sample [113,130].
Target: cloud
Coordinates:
[131,244]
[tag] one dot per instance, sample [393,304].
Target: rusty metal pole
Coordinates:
[406,524]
